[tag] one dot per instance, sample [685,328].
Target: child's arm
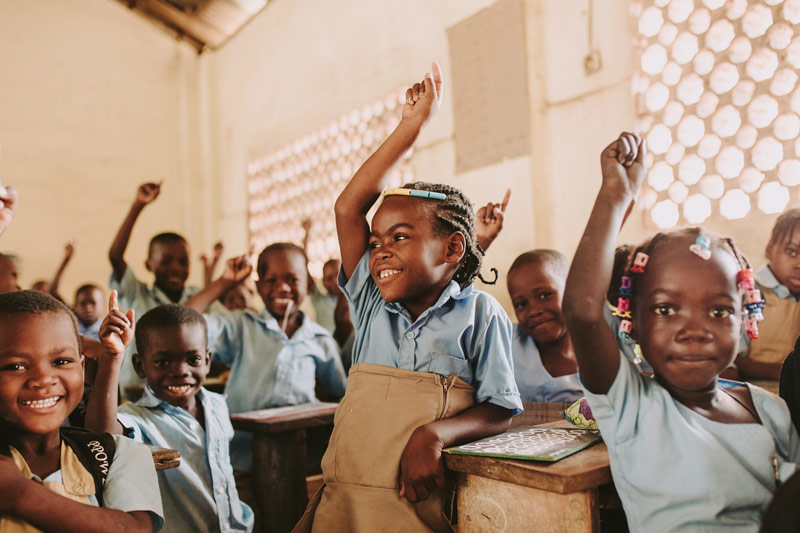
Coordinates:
[341,317]
[8,204]
[147,193]
[69,250]
[49,511]
[116,332]
[421,468]
[237,269]
[595,344]
[422,102]
[210,264]
[489,221]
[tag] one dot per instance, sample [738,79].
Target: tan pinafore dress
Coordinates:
[361,468]
[779,330]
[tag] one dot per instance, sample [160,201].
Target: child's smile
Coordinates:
[687,315]
[536,294]
[41,372]
[283,282]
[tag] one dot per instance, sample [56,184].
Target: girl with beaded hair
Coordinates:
[432,356]
[686,455]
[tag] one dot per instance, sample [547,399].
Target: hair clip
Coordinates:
[414,192]
[752,296]
[744,278]
[639,262]
[701,247]
[751,327]
[623,305]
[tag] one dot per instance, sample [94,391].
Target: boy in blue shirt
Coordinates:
[45,478]
[175,412]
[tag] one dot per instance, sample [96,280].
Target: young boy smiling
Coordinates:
[44,484]
[174,412]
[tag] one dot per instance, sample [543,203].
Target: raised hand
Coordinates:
[623,164]
[424,99]
[489,221]
[237,269]
[8,205]
[116,331]
[69,250]
[148,192]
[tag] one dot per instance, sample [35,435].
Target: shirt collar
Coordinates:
[767,279]
[453,291]
[162,298]
[269,320]
[150,400]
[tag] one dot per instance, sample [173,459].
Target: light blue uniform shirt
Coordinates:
[676,470]
[200,494]
[766,280]
[131,484]
[133,294]
[533,380]
[324,307]
[92,330]
[465,333]
[268,369]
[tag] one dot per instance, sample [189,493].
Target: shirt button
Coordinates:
[220,489]
[192,426]
[211,455]
[410,335]
[227,525]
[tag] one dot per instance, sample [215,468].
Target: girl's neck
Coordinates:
[42,452]
[419,305]
[702,399]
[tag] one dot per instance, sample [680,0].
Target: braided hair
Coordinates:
[635,274]
[455,214]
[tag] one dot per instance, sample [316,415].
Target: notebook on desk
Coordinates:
[531,444]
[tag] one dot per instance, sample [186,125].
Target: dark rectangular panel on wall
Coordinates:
[489,85]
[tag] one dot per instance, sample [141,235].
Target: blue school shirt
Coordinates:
[465,333]
[92,330]
[200,494]
[533,380]
[133,294]
[676,470]
[268,369]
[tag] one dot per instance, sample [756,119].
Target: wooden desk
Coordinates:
[164,458]
[510,495]
[279,458]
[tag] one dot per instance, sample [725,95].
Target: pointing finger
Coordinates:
[506,198]
[112,301]
[437,79]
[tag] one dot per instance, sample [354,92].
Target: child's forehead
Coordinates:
[177,338]
[673,264]
[174,247]
[535,273]
[394,210]
[38,330]
[791,236]
[282,259]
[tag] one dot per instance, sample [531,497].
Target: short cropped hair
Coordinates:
[164,238]
[332,261]
[164,317]
[31,302]
[785,226]
[277,247]
[543,256]
[87,287]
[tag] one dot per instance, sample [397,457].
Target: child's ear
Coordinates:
[768,251]
[456,246]
[148,264]
[208,358]
[138,365]
[83,362]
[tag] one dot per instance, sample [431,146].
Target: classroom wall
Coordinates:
[299,64]
[93,100]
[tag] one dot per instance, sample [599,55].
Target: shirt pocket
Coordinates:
[450,365]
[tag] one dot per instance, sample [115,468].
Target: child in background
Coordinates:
[90,306]
[779,282]
[53,286]
[277,356]
[432,358]
[210,264]
[8,274]
[167,259]
[9,199]
[175,412]
[685,454]
[544,360]
[46,480]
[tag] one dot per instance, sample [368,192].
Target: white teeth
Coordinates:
[386,273]
[282,301]
[180,389]
[42,404]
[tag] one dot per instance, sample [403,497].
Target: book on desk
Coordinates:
[531,443]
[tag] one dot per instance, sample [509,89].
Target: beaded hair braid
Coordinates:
[455,214]
[637,262]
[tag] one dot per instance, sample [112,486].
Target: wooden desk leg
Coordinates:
[486,505]
[279,461]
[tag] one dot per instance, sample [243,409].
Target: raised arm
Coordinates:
[595,344]
[147,193]
[237,270]
[116,332]
[489,221]
[69,250]
[209,265]
[422,102]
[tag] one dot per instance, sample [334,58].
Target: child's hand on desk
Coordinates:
[237,269]
[424,99]
[489,221]
[116,331]
[421,469]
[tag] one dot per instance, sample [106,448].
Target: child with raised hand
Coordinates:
[432,359]
[174,412]
[276,356]
[779,283]
[167,259]
[544,360]
[685,454]
[53,478]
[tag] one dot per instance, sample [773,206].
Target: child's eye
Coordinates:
[195,361]
[519,305]
[791,252]
[544,295]
[721,312]
[664,310]
[400,237]
[13,367]
[161,363]
[61,361]
[373,245]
